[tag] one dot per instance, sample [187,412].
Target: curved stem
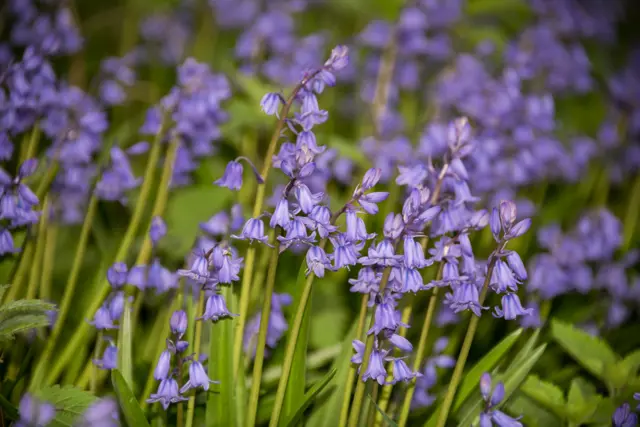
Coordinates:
[464,351]
[262,336]
[358,398]
[191,406]
[346,396]
[245,289]
[83,329]
[48,262]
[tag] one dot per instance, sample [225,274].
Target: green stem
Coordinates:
[48,262]
[344,410]
[422,344]
[631,216]
[94,368]
[21,271]
[80,333]
[464,351]
[29,151]
[36,266]
[358,398]
[254,394]
[69,292]
[191,405]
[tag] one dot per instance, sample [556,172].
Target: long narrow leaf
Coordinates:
[309,397]
[387,418]
[125,341]
[297,377]
[131,409]
[220,406]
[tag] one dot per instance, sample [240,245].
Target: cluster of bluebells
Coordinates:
[17,203]
[36,413]
[276,327]
[268,44]
[194,106]
[419,37]
[116,76]
[169,369]
[493,396]
[582,261]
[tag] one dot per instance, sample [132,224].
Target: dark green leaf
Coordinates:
[33,306]
[309,397]
[133,414]
[70,403]
[387,418]
[591,352]
[533,414]
[544,393]
[582,401]
[21,323]
[8,409]
[125,341]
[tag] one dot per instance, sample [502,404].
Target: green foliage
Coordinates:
[22,315]
[387,419]
[544,393]
[133,414]
[70,403]
[594,354]
[308,398]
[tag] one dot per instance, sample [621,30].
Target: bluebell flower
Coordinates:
[253,230]
[369,202]
[516,265]
[197,378]
[217,225]
[464,297]
[511,307]
[502,278]
[271,102]
[109,358]
[199,271]
[414,254]
[317,261]
[276,327]
[281,216]
[493,396]
[371,178]
[102,319]
[116,305]
[157,230]
[306,200]
[359,348]
[412,280]
[6,243]
[101,413]
[178,323]
[412,176]
[117,275]
[296,232]
[400,342]
[232,177]
[382,254]
[356,229]
[375,368]
[385,318]
[623,417]
[320,220]
[367,281]
[401,371]
[34,412]
[345,252]
[216,309]
[161,372]
[393,226]
[167,393]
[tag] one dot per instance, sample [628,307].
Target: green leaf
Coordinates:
[533,414]
[25,306]
[294,393]
[526,348]
[21,323]
[514,376]
[133,414]
[387,418]
[327,414]
[8,409]
[486,364]
[589,351]
[70,403]
[582,401]
[221,406]
[309,398]
[544,393]
[186,209]
[3,289]
[125,341]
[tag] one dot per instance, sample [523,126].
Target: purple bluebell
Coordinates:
[161,371]
[178,323]
[624,417]
[109,358]
[400,342]
[271,102]
[401,371]
[199,271]
[385,318]
[393,226]
[101,413]
[356,229]
[464,297]
[493,396]
[371,178]
[216,309]
[359,348]
[34,412]
[232,177]
[167,393]
[116,305]
[296,232]
[276,327]
[118,179]
[157,277]
[319,219]
[511,307]
[414,254]
[117,275]
[157,230]
[281,216]
[367,281]
[217,225]
[502,278]
[103,320]
[252,230]
[345,252]
[197,378]
[317,261]
[382,254]
[375,367]
[7,245]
